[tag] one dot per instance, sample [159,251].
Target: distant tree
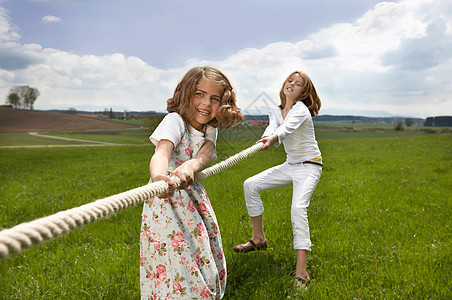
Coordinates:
[21,91]
[13,99]
[111,115]
[27,96]
[71,111]
[30,97]
[409,122]
[440,121]
[399,127]
[429,122]
[151,122]
[443,121]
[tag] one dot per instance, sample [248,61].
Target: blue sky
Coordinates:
[369,58]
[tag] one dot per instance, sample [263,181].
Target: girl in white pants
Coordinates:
[290,124]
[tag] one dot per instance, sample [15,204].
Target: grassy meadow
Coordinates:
[379,218]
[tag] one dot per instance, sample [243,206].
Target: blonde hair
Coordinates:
[228,113]
[308,94]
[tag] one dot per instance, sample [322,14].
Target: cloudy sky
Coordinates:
[365,57]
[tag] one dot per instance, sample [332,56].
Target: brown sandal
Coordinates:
[244,248]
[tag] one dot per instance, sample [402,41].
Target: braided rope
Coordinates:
[37,231]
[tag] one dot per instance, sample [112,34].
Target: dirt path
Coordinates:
[68,139]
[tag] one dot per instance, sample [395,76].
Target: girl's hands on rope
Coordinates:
[185,174]
[171,185]
[268,141]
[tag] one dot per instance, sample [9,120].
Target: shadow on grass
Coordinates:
[260,275]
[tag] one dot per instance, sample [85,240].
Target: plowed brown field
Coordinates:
[20,120]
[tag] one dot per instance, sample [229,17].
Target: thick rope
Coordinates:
[37,231]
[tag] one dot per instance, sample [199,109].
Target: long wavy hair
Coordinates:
[228,113]
[308,94]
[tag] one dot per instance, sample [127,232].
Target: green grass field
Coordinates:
[379,219]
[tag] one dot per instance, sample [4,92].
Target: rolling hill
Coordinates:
[20,120]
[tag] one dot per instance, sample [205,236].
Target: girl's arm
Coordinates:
[186,171]
[272,124]
[159,165]
[297,115]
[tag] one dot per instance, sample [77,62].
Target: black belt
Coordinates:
[307,162]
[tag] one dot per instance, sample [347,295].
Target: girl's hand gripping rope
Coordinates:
[171,185]
[185,175]
[268,141]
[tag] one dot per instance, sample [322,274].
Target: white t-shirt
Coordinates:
[172,128]
[296,132]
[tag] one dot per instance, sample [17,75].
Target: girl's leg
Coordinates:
[305,179]
[271,178]
[258,241]
[301,270]
[258,230]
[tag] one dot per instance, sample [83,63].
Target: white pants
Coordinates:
[303,177]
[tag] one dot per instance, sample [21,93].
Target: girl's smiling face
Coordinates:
[206,101]
[293,86]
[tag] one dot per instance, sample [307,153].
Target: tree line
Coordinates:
[22,96]
[440,121]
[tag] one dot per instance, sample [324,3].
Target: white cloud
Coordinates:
[395,57]
[423,52]
[50,19]
[66,79]
[7,31]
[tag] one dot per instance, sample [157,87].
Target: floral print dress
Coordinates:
[181,255]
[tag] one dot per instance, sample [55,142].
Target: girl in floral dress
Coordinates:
[180,243]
